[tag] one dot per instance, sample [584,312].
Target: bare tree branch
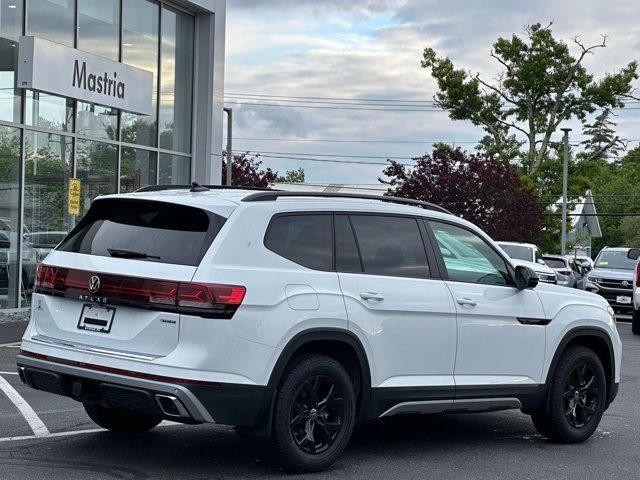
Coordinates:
[496,90]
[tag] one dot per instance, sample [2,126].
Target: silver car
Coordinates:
[569,271]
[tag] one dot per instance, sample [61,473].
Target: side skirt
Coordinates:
[483,398]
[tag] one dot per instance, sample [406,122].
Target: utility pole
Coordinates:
[229,112]
[565,181]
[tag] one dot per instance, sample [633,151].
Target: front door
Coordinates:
[501,330]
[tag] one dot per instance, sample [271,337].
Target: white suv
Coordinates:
[292,315]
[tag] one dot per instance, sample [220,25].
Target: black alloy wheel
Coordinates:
[316,414]
[577,397]
[581,395]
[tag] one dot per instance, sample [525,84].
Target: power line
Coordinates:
[336,155]
[330,140]
[342,99]
[324,107]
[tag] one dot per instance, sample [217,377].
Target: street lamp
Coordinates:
[565,178]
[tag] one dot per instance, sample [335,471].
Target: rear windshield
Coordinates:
[145,230]
[517,252]
[555,262]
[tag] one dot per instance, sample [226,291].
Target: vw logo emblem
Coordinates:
[94,283]
[625,283]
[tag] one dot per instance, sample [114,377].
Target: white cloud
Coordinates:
[372,49]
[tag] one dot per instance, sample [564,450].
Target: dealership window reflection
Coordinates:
[52,19]
[96,166]
[140,20]
[11,279]
[138,168]
[98,27]
[10,31]
[47,169]
[176,79]
[174,169]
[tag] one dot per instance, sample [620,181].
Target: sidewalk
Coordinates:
[12,326]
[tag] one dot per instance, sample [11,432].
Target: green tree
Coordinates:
[292,176]
[541,85]
[630,231]
[603,141]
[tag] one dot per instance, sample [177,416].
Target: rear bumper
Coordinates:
[222,403]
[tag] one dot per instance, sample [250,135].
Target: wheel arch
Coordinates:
[338,343]
[597,340]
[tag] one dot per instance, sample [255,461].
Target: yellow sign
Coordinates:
[74,196]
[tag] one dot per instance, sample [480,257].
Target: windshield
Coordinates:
[518,252]
[615,259]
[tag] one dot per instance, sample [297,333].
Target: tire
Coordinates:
[572,415]
[121,421]
[314,414]
[635,322]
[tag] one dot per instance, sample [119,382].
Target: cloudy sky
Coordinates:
[371,49]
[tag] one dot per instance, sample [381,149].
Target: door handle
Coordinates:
[371,296]
[466,302]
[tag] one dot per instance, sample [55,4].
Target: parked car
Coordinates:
[528,254]
[612,278]
[9,259]
[289,315]
[634,254]
[569,273]
[44,242]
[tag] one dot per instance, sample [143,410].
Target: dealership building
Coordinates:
[99,97]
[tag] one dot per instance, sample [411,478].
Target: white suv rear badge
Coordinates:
[94,283]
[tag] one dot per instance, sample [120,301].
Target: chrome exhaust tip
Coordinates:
[171,406]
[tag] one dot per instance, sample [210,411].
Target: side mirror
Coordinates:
[525,278]
[633,253]
[586,265]
[540,261]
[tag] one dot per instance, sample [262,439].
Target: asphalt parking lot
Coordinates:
[45,436]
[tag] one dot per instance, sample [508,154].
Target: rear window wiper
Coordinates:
[118,252]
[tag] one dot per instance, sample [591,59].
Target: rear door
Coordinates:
[111,284]
[395,301]
[501,333]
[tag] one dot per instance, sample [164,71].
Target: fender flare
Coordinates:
[583,332]
[319,334]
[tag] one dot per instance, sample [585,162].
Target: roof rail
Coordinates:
[159,188]
[275,194]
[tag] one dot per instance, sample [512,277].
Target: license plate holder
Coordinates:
[624,299]
[96,318]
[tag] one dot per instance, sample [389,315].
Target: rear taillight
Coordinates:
[205,295]
[638,274]
[204,299]
[564,272]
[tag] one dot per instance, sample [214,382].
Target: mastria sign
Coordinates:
[53,68]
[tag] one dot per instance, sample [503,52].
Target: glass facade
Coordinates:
[46,139]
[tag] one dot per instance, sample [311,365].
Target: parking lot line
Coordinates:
[165,423]
[29,414]
[11,345]
[58,434]
[8,373]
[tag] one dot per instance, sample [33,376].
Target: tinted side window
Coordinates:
[347,257]
[390,246]
[303,239]
[468,257]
